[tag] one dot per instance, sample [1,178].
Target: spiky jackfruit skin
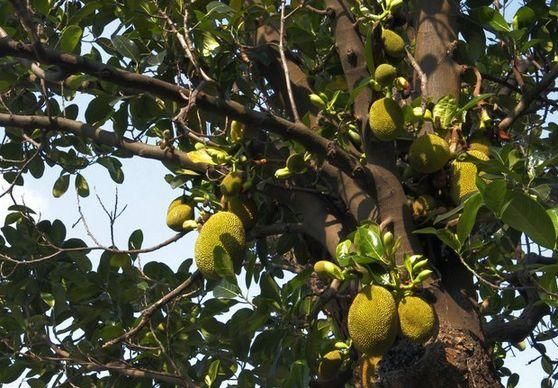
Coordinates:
[481,144]
[385,74]
[329,365]
[231,184]
[372,320]
[386,119]
[464,176]
[429,153]
[394,46]
[223,230]
[244,208]
[416,319]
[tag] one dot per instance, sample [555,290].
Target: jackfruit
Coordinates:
[372,320]
[179,211]
[237,131]
[416,319]
[329,365]
[178,201]
[480,143]
[386,119]
[231,184]
[295,163]
[464,176]
[223,232]
[244,208]
[429,153]
[394,46]
[385,74]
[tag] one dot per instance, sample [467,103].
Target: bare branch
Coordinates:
[528,97]
[284,63]
[149,311]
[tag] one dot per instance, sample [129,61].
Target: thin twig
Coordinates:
[423,79]
[296,117]
[149,311]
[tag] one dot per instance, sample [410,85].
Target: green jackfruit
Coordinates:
[329,365]
[178,215]
[394,46]
[429,153]
[480,143]
[223,231]
[372,320]
[416,319]
[464,176]
[386,119]
[179,211]
[231,184]
[244,208]
[385,74]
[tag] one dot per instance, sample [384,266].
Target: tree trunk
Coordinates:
[458,356]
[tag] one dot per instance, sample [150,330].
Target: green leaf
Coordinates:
[494,195]
[125,47]
[70,38]
[468,217]
[369,51]
[527,215]
[446,236]
[343,249]
[224,264]
[553,214]
[200,156]
[474,101]
[369,243]
[82,187]
[444,111]
[269,288]
[120,260]
[490,19]
[135,240]
[98,111]
[212,373]
[226,290]
[61,185]
[513,380]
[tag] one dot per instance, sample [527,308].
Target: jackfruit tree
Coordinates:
[371,188]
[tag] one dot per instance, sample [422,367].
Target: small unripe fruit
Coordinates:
[328,269]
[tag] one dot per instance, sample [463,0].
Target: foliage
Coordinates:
[200,87]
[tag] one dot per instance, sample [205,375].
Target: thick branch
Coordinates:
[351,52]
[518,329]
[103,137]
